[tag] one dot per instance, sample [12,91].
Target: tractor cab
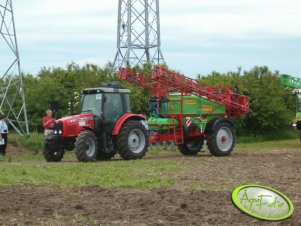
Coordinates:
[107,103]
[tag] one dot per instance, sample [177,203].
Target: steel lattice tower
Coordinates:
[12,100]
[138,34]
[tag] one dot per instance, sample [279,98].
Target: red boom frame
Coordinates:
[163,81]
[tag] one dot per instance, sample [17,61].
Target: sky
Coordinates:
[198,36]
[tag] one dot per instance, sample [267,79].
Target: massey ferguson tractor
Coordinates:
[182,111]
[104,127]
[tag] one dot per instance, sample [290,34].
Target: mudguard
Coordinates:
[124,118]
[211,125]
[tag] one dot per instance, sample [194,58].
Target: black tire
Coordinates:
[191,148]
[105,156]
[86,146]
[132,140]
[51,155]
[221,140]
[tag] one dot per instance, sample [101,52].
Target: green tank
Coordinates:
[193,109]
[159,123]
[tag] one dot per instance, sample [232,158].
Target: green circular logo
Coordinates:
[262,202]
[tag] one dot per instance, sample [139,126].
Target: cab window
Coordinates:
[113,106]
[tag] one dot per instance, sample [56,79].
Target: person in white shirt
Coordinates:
[3,135]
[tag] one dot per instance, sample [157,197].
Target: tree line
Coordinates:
[272,104]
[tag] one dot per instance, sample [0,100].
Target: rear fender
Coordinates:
[213,124]
[127,116]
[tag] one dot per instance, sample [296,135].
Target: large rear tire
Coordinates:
[221,140]
[105,156]
[107,148]
[191,148]
[132,141]
[50,154]
[86,146]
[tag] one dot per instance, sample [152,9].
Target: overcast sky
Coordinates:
[198,36]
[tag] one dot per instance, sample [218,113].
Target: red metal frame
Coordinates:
[163,81]
[122,120]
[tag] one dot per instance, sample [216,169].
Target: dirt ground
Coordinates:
[176,205]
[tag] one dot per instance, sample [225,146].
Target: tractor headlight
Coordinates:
[294,125]
[55,132]
[60,131]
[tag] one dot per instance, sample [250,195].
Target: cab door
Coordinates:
[113,108]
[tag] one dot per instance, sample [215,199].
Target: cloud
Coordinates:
[232,18]
[194,33]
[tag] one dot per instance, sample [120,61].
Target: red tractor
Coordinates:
[104,127]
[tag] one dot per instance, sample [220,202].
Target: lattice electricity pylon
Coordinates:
[138,34]
[12,99]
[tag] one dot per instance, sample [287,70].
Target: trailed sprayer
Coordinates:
[187,113]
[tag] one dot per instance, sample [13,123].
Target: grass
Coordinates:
[286,134]
[160,169]
[33,170]
[272,144]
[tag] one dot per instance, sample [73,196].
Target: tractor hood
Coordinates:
[71,126]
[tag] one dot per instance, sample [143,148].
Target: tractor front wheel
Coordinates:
[51,150]
[221,140]
[86,146]
[132,141]
[53,156]
[191,148]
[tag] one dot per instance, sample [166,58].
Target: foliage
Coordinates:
[272,104]
[33,142]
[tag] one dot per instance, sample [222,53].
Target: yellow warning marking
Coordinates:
[190,101]
[206,108]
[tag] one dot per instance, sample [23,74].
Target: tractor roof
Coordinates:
[107,88]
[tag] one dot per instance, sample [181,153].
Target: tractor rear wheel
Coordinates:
[221,140]
[86,146]
[191,148]
[50,154]
[104,155]
[132,141]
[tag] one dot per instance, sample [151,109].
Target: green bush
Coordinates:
[33,142]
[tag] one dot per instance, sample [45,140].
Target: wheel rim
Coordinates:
[136,141]
[57,153]
[224,139]
[90,147]
[194,145]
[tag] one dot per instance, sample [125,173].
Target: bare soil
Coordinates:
[209,203]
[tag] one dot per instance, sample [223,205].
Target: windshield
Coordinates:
[299,102]
[91,103]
